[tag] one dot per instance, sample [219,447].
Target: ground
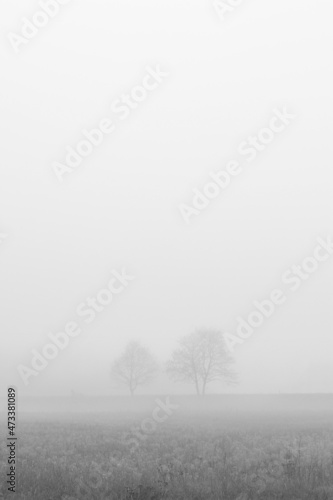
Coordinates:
[197,453]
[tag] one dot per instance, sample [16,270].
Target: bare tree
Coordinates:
[136,366]
[201,358]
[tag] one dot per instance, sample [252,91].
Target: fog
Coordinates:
[119,209]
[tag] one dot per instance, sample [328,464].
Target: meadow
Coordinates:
[204,450]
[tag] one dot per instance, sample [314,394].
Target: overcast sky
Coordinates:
[120,207]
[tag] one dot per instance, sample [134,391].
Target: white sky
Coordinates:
[120,208]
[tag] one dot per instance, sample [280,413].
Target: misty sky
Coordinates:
[120,208]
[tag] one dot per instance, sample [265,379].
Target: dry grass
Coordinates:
[216,456]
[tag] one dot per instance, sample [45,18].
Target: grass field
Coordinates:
[201,451]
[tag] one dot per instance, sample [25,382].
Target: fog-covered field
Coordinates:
[228,447]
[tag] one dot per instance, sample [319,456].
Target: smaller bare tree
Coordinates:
[136,366]
[201,358]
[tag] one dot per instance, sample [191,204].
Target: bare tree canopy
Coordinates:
[136,366]
[201,358]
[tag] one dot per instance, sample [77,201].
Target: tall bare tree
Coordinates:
[201,358]
[136,366]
